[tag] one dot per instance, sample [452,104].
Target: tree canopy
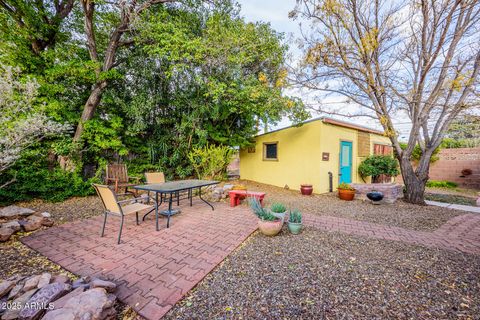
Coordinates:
[146,81]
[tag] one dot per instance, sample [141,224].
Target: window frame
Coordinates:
[265,151]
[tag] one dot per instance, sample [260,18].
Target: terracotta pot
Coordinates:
[345,194]
[270,228]
[306,189]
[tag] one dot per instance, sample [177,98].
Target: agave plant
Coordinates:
[295,216]
[278,207]
[259,211]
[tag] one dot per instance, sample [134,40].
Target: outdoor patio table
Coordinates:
[171,188]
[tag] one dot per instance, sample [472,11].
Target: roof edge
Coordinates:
[331,121]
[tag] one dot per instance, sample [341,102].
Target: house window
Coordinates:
[270,151]
[382,149]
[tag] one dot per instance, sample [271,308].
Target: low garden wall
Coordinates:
[450,164]
[391,191]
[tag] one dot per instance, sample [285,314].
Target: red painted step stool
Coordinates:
[237,195]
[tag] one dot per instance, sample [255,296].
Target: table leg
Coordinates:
[190,194]
[200,196]
[169,210]
[156,210]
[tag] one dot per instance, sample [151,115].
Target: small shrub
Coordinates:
[441,184]
[345,186]
[278,207]
[377,165]
[295,216]
[211,162]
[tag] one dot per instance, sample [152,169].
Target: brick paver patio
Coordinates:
[153,269]
[461,233]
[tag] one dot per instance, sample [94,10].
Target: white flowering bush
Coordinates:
[22,121]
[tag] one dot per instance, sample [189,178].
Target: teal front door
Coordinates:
[345,162]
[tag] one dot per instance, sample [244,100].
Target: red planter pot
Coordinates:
[306,189]
[347,195]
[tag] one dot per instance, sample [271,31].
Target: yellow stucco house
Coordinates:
[306,154]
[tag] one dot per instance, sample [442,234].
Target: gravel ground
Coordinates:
[319,275]
[69,210]
[399,214]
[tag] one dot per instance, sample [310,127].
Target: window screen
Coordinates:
[270,151]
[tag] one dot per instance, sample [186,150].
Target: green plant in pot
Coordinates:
[295,222]
[268,224]
[345,191]
[376,166]
[278,210]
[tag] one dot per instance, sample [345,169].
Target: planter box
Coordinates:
[391,191]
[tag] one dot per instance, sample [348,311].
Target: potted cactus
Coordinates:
[345,191]
[295,222]
[268,224]
[278,210]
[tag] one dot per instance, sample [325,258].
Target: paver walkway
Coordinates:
[453,206]
[153,269]
[461,233]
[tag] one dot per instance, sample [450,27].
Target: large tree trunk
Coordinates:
[89,109]
[414,180]
[68,162]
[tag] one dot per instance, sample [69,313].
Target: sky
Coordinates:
[276,13]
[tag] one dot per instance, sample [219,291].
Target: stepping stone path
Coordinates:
[14,219]
[52,297]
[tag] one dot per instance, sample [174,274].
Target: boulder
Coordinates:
[31,283]
[5,233]
[94,304]
[5,287]
[12,212]
[19,303]
[107,285]
[14,225]
[32,223]
[41,300]
[44,280]
[60,303]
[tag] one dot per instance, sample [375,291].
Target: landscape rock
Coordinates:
[5,287]
[61,278]
[14,225]
[60,303]
[19,303]
[228,187]
[48,222]
[42,298]
[11,212]
[44,280]
[31,283]
[107,285]
[94,304]
[15,291]
[32,223]
[5,233]
[46,214]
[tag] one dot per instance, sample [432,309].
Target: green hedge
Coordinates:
[441,184]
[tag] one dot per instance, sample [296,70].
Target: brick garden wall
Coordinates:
[451,163]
